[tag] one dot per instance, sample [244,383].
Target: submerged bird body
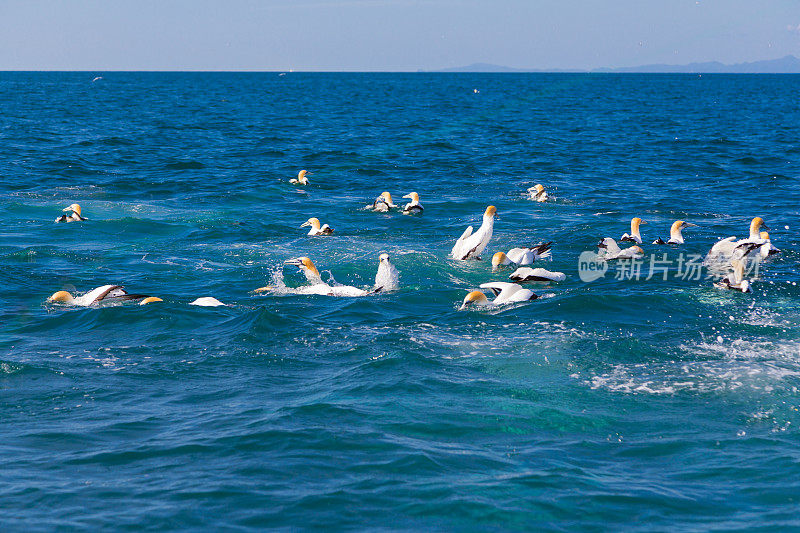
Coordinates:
[207,301]
[105,294]
[413,206]
[522,256]
[470,245]
[634,235]
[316,229]
[505,293]
[386,279]
[675,235]
[735,280]
[74,216]
[301,179]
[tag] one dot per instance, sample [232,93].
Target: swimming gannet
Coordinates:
[634,235]
[316,229]
[732,248]
[537,193]
[470,245]
[735,280]
[104,294]
[75,216]
[505,293]
[317,285]
[413,206]
[536,274]
[675,235]
[302,178]
[387,278]
[609,249]
[382,203]
[522,256]
[207,301]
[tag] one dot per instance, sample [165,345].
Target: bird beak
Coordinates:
[304,224]
[764,226]
[70,209]
[643,222]
[601,244]
[293,262]
[690,225]
[407,195]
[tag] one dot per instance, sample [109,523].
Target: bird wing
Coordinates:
[457,248]
[498,286]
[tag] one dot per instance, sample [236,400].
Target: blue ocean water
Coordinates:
[620,403]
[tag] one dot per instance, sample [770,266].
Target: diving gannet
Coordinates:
[302,178]
[382,203]
[536,274]
[675,235]
[104,294]
[470,245]
[505,293]
[413,206]
[537,193]
[75,216]
[316,229]
[634,236]
[387,278]
[735,280]
[609,249]
[522,256]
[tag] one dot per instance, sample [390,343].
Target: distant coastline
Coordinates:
[785,65]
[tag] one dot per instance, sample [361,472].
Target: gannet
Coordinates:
[104,294]
[387,278]
[207,301]
[537,193]
[470,245]
[767,249]
[413,206]
[732,248]
[316,229]
[302,178]
[675,236]
[522,256]
[75,216]
[536,274]
[609,249]
[505,293]
[634,235]
[735,280]
[317,285]
[150,299]
[382,203]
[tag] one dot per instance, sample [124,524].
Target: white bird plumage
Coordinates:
[470,245]
[75,216]
[316,228]
[413,206]
[634,235]
[505,293]
[536,274]
[609,249]
[105,294]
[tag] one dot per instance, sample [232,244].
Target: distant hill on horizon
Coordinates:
[785,65]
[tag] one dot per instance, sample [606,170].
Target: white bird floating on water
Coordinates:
[470,245]
[413,206]
[609,249]
[537,193]
[382,203]
[75,216]
[634,236]
[302,178]
[675,235]
[505,293]
[536,274]
[735,280]
[522,256]
[106,294]
[316,229]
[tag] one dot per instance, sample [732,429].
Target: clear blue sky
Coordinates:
[396,35]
